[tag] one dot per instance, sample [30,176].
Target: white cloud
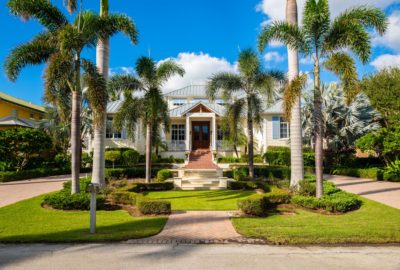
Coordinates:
[121,70]
[199,68]
[274,57]
[391,38]
[275,9]
[386,61]
[306,61]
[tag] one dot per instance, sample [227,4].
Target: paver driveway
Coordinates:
[384,192]
[12,192]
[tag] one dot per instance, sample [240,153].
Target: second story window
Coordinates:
[179,101]
[111,133]
[284,129]
[178,132]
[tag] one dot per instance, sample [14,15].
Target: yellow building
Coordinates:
[15,112]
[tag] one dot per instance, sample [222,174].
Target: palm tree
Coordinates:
[151,109]
[256,85]
[327,41]
[60,46]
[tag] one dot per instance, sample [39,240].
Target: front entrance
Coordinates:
[200,135]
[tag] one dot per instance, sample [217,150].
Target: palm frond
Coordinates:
[147,71]
[71,5]
[316,20]
[167,69]
[255,106]
[34,52]
[249,64]
[345,68]
[289,34]
[115,23]
[266,83]
[292,91]
[129,115]
[123,84]
[225,82]
[42,10]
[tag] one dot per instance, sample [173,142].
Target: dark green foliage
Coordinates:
[371,173]
[154,207]
[282,157]
[113,157]
[228,160]
[83,183]
[18,146]
[9,176]
[340,202]
[130,157]
[306,188]
[87,160]
[277,172]
[170,159]
[278,196]
[123,197]
[240,174]
[63,200]
[143,187]
[249,185]
[256,205]
[126,173]
[163,175]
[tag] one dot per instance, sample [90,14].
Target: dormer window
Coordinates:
[179,101]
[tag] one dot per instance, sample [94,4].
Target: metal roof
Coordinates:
[181,110]
[276,108]
[14,121]
[21,102]
[113,107]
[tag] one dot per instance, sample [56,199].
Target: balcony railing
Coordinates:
[176,145]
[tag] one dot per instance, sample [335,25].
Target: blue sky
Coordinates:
[202,35]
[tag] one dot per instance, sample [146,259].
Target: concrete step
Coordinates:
[202,188]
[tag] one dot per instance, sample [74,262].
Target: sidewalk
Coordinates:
[384,192]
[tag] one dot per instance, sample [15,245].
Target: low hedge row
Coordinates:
[248,185]
[123,173]
[370,173]
[123,197]
[8,176]
[143,187]
[276,172]
[163,175]
[277,196]
[256,205]
[154,207]
[64,200]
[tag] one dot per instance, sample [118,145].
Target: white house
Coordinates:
[196,124]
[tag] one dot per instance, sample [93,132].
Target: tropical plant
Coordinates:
[151,108]
[343,124]
[326,40]
[255,84]
[61,46]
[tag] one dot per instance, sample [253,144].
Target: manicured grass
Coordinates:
[202,199]
[27,221]
[372,223]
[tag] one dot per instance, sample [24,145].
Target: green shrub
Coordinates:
[142,187]
[275,171]
[112,156]
[64,200]
[123,197]
[9,176]
[87,160]
[130,157]
[126,173]
[170,159]
[282,158]
[371,173]
[83,184]
[278,148]
[240,174]
[277,196]
[306,188]
[228,160]
[154,207]
[256,205]
[392,171]
[248,185]
[163,175]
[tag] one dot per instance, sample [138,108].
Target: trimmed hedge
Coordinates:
[371,173]
[143,187]
[163,175]
[277,196]
[338,202]
[154,207]
[123,197]
[64,200]
[282,158]
[123,173]
[256,205]
[9,176]
[248,185]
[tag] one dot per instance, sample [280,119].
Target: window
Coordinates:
[178,132]
[284,129]
[179,101]
[32,116]
[110,132]
[220,133]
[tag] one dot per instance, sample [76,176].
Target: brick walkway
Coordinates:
[201,159]
[197,227]
[384,192]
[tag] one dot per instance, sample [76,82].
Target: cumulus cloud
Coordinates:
[199,67]
[275,57]
[386,61]
[306,61]
[121,70]
[275,9]
[391,38]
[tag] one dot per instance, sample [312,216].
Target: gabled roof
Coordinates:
[276,108]
[21,102]
[188,91]
[182,110]
[14,121]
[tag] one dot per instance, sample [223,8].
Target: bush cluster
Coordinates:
[163,175]
[280,156]
[154,207]
[143,187]
[242,159]
[371,173]
[9,176]
[63,200]
[123,197]
[170,159]
[249,185]
[256,205]
[340,202]
[126,173]
[277,196]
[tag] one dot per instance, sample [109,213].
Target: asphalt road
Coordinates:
[128,256]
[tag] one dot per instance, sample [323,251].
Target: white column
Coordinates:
[187,128]
[214,139]
[265,134]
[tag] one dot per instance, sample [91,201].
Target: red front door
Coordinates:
[200,135]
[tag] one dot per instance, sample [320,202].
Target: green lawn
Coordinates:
[201,200]
[27,221]
[372,223]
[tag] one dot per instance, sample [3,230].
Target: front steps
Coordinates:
[220,183]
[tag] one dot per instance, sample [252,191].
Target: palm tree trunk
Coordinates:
[102,63]
[76,139]
[251,140]
[148,152]
[236,150]
[318,129]
[296,138]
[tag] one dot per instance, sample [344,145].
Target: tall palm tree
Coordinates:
[60,46]
[327,40]
[151,109]
[256,85]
